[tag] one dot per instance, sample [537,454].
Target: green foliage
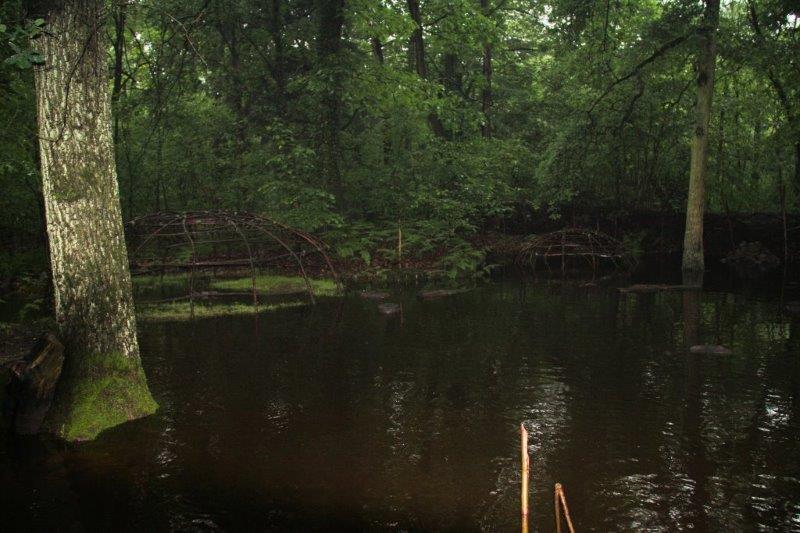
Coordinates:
[333,129]
[568,135]
[463,260]
[25,266]
[632,243]
[18,40]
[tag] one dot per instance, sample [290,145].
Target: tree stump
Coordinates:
[33,384]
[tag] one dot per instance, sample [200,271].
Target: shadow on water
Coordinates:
[337,416]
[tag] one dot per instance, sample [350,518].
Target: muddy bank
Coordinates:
[662,232]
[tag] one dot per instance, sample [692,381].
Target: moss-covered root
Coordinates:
[97,393]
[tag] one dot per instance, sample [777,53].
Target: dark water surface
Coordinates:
[336,417]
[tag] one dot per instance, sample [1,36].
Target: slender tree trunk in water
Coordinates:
[417,50]
[693,260]
[103,383]
[331,23]
[486,92]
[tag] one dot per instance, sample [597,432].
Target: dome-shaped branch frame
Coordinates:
[221,240]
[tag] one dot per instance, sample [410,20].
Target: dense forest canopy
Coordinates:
[439,115]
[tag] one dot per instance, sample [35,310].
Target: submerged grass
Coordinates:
[178,311]
[277,285]
[265,284]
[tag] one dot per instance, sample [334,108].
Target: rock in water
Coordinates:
[33,386]
[710,349]
[374,295]
[389,309]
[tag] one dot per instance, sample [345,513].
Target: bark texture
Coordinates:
[103,382]
[693,260]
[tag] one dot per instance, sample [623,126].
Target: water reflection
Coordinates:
[337,416]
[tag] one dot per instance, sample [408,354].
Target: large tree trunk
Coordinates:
[103,383]
[693,261]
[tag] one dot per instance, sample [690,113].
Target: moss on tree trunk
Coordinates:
[103,383]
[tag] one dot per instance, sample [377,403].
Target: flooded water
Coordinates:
[336,417]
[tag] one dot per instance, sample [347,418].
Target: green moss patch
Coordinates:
[277,285]
[182,310]
[98,392]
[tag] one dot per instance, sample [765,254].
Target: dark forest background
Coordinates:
[445,118]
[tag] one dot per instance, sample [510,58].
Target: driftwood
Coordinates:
[374,295]
[439,293]
[710,349]
[34,378]
[389,309]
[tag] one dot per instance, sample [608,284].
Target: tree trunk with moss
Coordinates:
[103,383]
[693,260]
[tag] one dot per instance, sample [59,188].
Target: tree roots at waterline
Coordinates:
[97,392]
[74,398]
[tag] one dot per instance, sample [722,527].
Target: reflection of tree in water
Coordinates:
[354,417]
[696,464]
[736,431]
